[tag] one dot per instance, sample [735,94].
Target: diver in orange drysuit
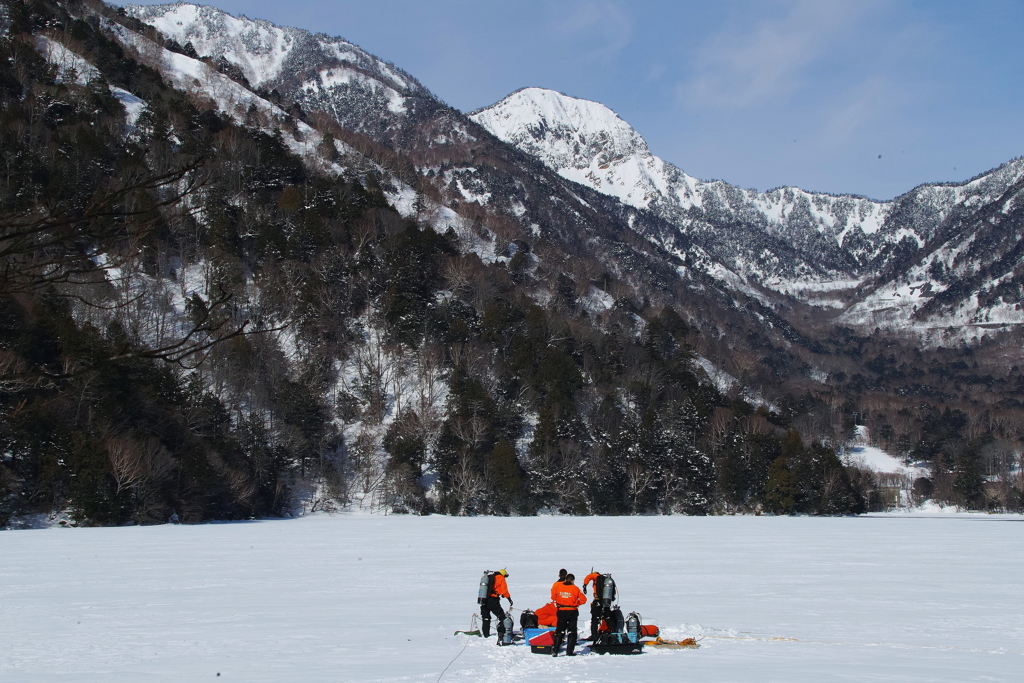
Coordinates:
[568,599]
[547,615]
[598,609]
[493,605]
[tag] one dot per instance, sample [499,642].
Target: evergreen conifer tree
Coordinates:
[782,488]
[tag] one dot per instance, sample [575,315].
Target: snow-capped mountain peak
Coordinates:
[588,143]
[546,115]
[584,141]
[799,243]
[836,251]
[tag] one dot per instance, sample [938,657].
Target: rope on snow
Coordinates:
[472,623]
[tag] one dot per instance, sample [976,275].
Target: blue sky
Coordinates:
[868,96]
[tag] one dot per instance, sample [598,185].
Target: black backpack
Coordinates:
[615,621]
[528,619]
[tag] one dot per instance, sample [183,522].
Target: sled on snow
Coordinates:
[616,644]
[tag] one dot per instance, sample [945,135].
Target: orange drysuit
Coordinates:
[591,577]
[567,596]
[547,615]
[500,588]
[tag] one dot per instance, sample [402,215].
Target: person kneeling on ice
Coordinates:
[547,615]
[568,599]
[492,603]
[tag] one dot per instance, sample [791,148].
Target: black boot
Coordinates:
[554,648]
[486,628]
[570,645]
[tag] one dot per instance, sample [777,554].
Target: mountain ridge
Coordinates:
[838,253]
[790,241]
[829,241]
[378,94]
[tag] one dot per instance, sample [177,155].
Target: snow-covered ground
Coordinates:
[373,598]
[878,460]
[862,454]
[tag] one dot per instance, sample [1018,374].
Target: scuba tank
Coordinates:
[507,623]
[486,586]
[633,627]
[607,590]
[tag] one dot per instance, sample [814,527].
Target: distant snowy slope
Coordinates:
[315,70]
[588,143]
[940,255]
[233,99]
[883,261]
[966,272]
[773,238]
[259,48]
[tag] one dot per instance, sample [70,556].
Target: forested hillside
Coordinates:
[221,302]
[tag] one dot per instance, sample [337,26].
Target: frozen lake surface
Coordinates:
[371,598]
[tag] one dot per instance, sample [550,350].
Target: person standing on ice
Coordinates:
[492,605]
[548,614]
[568,598]
[599,609]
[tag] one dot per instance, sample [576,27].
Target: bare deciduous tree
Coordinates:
[638,478]
[127,463]
[467,483]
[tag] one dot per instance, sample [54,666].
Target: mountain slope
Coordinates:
[840,251]
[316,71]
[588,143]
